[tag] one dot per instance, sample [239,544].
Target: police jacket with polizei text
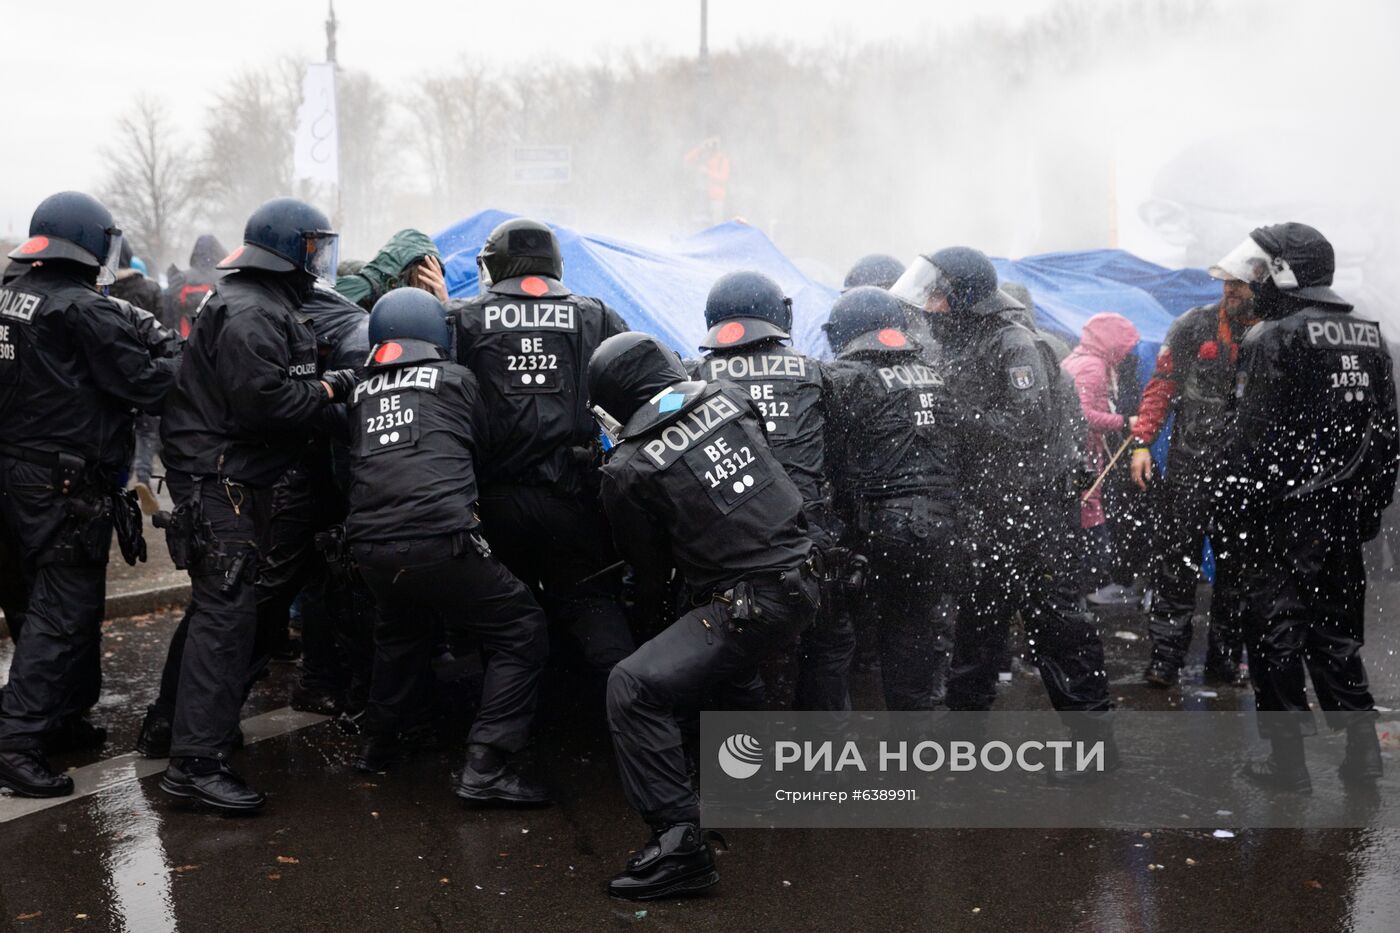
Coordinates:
[528,340]
[248,392]
[1004,385]
[72,368]
[892,430]
[413,428]
[789,390]
[1316,408]
[702,491]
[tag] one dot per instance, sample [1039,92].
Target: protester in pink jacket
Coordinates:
[1106,340]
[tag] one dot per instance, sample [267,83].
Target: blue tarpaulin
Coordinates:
[662,291]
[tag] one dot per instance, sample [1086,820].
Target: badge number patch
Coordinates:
[1022,377]
[729,468]
[388,422]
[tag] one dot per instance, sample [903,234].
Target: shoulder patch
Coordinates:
[1022,377]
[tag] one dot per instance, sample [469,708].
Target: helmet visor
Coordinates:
[921,282]
[322,256]
[107,272]
[1249,263]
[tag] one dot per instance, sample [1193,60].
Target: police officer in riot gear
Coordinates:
[415,420]
[1314,465]
[308,498]
[72,368]
[748,317]
[692,485]
[878,269]
[893,458]
[236,420]
[1019,421]
[528,339]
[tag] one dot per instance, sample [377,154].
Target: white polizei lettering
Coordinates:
[678,437]
[757,367]
[533,315]
[408,377]
[911,376]
[302,369]
[18,305]
[1344,333]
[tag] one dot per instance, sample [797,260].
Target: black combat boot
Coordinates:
[75,734]
[1285,768]
[28,774]
[315,698]
[676,860]
[488,777]
[379,752]
[212,782]
[1362,764]
[1161,673]
[154,740]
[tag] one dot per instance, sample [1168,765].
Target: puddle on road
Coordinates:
[137,869]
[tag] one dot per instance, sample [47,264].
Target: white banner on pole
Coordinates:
[317,144]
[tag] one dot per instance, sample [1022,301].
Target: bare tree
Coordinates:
[459,120]
[247,153]
[151,183]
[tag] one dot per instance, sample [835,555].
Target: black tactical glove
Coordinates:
[342,383]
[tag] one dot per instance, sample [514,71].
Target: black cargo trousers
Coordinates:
[910,596]
[1305,608]
[213,648]
[1026,559]
[1186,503]
[452,578]
[62,543]
[671,674]
[337,622]
[559,545]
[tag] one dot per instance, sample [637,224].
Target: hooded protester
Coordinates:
[186,290]
[410,258]
[1107,339]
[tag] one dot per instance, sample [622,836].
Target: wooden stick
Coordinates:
[1090,491]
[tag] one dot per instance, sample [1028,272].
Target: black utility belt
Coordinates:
[48,458]
[786,580]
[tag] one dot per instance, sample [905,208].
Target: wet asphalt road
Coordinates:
[336,850]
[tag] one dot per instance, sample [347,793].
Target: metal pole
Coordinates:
[704,31]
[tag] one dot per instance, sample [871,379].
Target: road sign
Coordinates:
[540,165]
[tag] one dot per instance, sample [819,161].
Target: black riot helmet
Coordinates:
[744,308]
[519,247]
[962,276]
[625,373]
[1285,265]
[878,269]
[404,315]
[867,317]
[73,226]
[287,235]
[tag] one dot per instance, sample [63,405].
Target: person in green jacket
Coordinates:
[409,258]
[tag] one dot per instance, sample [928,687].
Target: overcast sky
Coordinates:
[70,66]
